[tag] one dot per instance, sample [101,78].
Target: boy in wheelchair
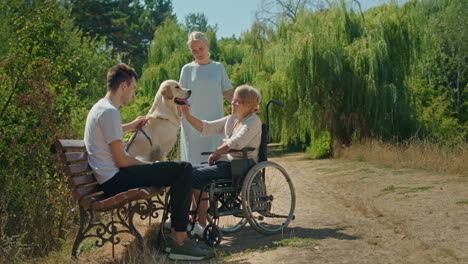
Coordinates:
[242,129]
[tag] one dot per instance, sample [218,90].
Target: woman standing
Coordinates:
[209,82]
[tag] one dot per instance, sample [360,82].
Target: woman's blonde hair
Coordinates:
[197,35]
[248,94]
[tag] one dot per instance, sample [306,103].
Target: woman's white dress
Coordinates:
[208,83]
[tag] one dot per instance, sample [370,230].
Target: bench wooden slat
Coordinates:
[79,168]
[80,191]
[81,180]
[72,143]
[73,157]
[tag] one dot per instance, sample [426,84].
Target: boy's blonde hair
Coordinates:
[248,94]
[197,35]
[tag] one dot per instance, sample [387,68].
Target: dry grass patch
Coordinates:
[413,154]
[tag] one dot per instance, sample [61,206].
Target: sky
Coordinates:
[233,17]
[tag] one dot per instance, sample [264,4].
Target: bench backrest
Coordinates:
[81,180]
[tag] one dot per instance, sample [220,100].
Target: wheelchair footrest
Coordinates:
[235,212]
[222,189]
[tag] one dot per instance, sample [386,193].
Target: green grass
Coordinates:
[393,188]
[365,170]
[462,202]
[360,158]
[417,189]
[86,246]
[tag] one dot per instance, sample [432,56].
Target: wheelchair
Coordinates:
[261,194]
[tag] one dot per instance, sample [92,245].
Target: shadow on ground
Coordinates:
[248,238]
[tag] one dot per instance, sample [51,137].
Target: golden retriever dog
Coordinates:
[159,135]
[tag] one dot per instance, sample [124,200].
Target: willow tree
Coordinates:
[167,54]
[338,71]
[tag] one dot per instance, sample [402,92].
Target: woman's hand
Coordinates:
[195,122]
[184,109]
[213,158]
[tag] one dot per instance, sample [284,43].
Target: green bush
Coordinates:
[48,73]
[320,147]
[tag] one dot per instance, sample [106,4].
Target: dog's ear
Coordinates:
[167,92]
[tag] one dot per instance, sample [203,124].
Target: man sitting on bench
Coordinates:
[117,172]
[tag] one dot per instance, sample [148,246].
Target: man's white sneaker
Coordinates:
[197,230]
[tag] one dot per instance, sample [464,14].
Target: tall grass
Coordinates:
[413,153]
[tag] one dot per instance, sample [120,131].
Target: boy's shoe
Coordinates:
[189,251]
[170,243]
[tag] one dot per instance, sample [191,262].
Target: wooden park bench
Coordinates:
[123,206]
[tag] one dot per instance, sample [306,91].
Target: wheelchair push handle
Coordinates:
[276,102]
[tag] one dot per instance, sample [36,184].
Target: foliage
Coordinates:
[166,57]
[391,74]
[320,147]
[386,73]
[198,22]
[126,25]
[46,69]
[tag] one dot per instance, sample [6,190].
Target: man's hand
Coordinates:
[138,123]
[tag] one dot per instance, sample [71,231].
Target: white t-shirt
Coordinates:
[103,126]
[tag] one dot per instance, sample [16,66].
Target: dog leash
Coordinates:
[146,135]
[134,136]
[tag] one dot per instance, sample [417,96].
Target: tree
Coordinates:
[273,11]
[48,74]
[198,22]
[126,25]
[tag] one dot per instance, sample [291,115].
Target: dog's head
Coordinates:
[171,90]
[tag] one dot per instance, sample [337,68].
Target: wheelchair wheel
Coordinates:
[229,223]
[212,235]
[268,198]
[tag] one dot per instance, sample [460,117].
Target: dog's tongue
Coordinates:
[186,102]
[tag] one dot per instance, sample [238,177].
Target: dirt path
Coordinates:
[358,213]
[362,213]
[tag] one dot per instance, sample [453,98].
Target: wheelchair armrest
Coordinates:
[242,150]
[231,150]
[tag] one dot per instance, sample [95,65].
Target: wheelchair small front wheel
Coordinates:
[268,198]
[212,235]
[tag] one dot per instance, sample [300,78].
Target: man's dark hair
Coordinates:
[118,74]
